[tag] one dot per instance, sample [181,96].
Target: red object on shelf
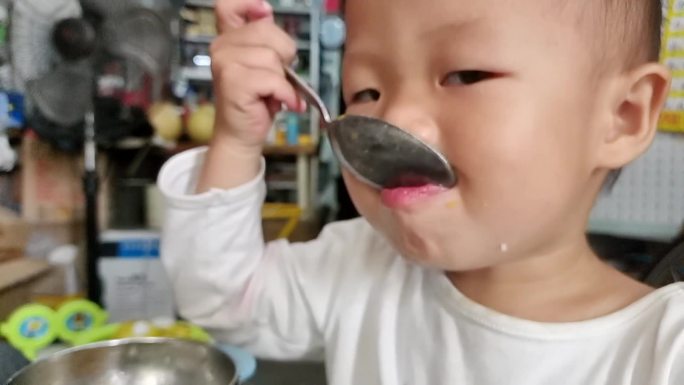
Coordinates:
[332,6]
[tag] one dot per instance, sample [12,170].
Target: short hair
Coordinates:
[632,30]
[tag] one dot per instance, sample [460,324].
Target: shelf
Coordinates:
[308,149]
[200,3]
[299,10]
[198,39]
[296,10]
[196,73]
[281,185]
[301,44]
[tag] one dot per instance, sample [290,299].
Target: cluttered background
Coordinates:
[96,95]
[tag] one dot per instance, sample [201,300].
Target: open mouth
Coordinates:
[406,196]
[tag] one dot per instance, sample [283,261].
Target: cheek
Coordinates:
[365,199]
[520,158]
[517,131]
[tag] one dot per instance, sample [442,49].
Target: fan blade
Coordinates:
[74,38]
[65,95]
[141,35]
[32,53]
[106,8]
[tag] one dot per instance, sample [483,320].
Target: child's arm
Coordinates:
[215,256]
[279,300]
[250,86]
[275,299]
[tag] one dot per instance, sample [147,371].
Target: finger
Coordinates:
[232,14]
[264,84]
[279,89]
[302,104]
[261,57]
[274,106]
[261,33]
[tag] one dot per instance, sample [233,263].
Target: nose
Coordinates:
[413,116]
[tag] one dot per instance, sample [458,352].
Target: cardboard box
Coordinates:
[136,289]
[17,280]
[52,284]
[51,183]
[52,187]
[13,235]
[134,282]
[45,237]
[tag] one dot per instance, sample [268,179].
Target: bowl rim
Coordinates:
[235,380]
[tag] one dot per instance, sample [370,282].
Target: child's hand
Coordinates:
[247,65]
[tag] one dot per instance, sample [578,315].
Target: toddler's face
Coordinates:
[506,90]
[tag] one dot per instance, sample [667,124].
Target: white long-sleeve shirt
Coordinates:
[377,319]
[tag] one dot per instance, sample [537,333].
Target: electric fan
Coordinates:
[61,52]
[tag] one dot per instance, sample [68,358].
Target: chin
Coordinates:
[434,235]
[429,239]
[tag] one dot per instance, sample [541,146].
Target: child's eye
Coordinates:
[466,77]
[365,96]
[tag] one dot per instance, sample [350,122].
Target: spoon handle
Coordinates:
[309,94]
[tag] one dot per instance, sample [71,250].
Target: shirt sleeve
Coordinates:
[273,299]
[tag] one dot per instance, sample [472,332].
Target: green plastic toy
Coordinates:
[30,329]
[78,318]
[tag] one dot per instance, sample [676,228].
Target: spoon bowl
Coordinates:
[378,153]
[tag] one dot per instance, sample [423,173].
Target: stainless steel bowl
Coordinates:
[140,361]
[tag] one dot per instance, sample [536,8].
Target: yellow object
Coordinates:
[166,120]
[138,329]
[672,55]
[280,137]
[289,212]
[133,329]
[305,140]
[184,330]
[181,330]
[201,123]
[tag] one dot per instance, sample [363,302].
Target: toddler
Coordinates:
[534,103]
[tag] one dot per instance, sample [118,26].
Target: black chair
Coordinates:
[669,268]
[10,362]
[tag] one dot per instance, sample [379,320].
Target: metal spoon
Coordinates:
[376,152]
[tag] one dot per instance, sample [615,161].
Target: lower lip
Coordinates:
[408,196]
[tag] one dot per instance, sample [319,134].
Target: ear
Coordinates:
[635,118]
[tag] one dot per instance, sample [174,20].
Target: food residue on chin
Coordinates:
[451,204]
[504,248]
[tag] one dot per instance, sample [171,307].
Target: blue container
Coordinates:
[292,124]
